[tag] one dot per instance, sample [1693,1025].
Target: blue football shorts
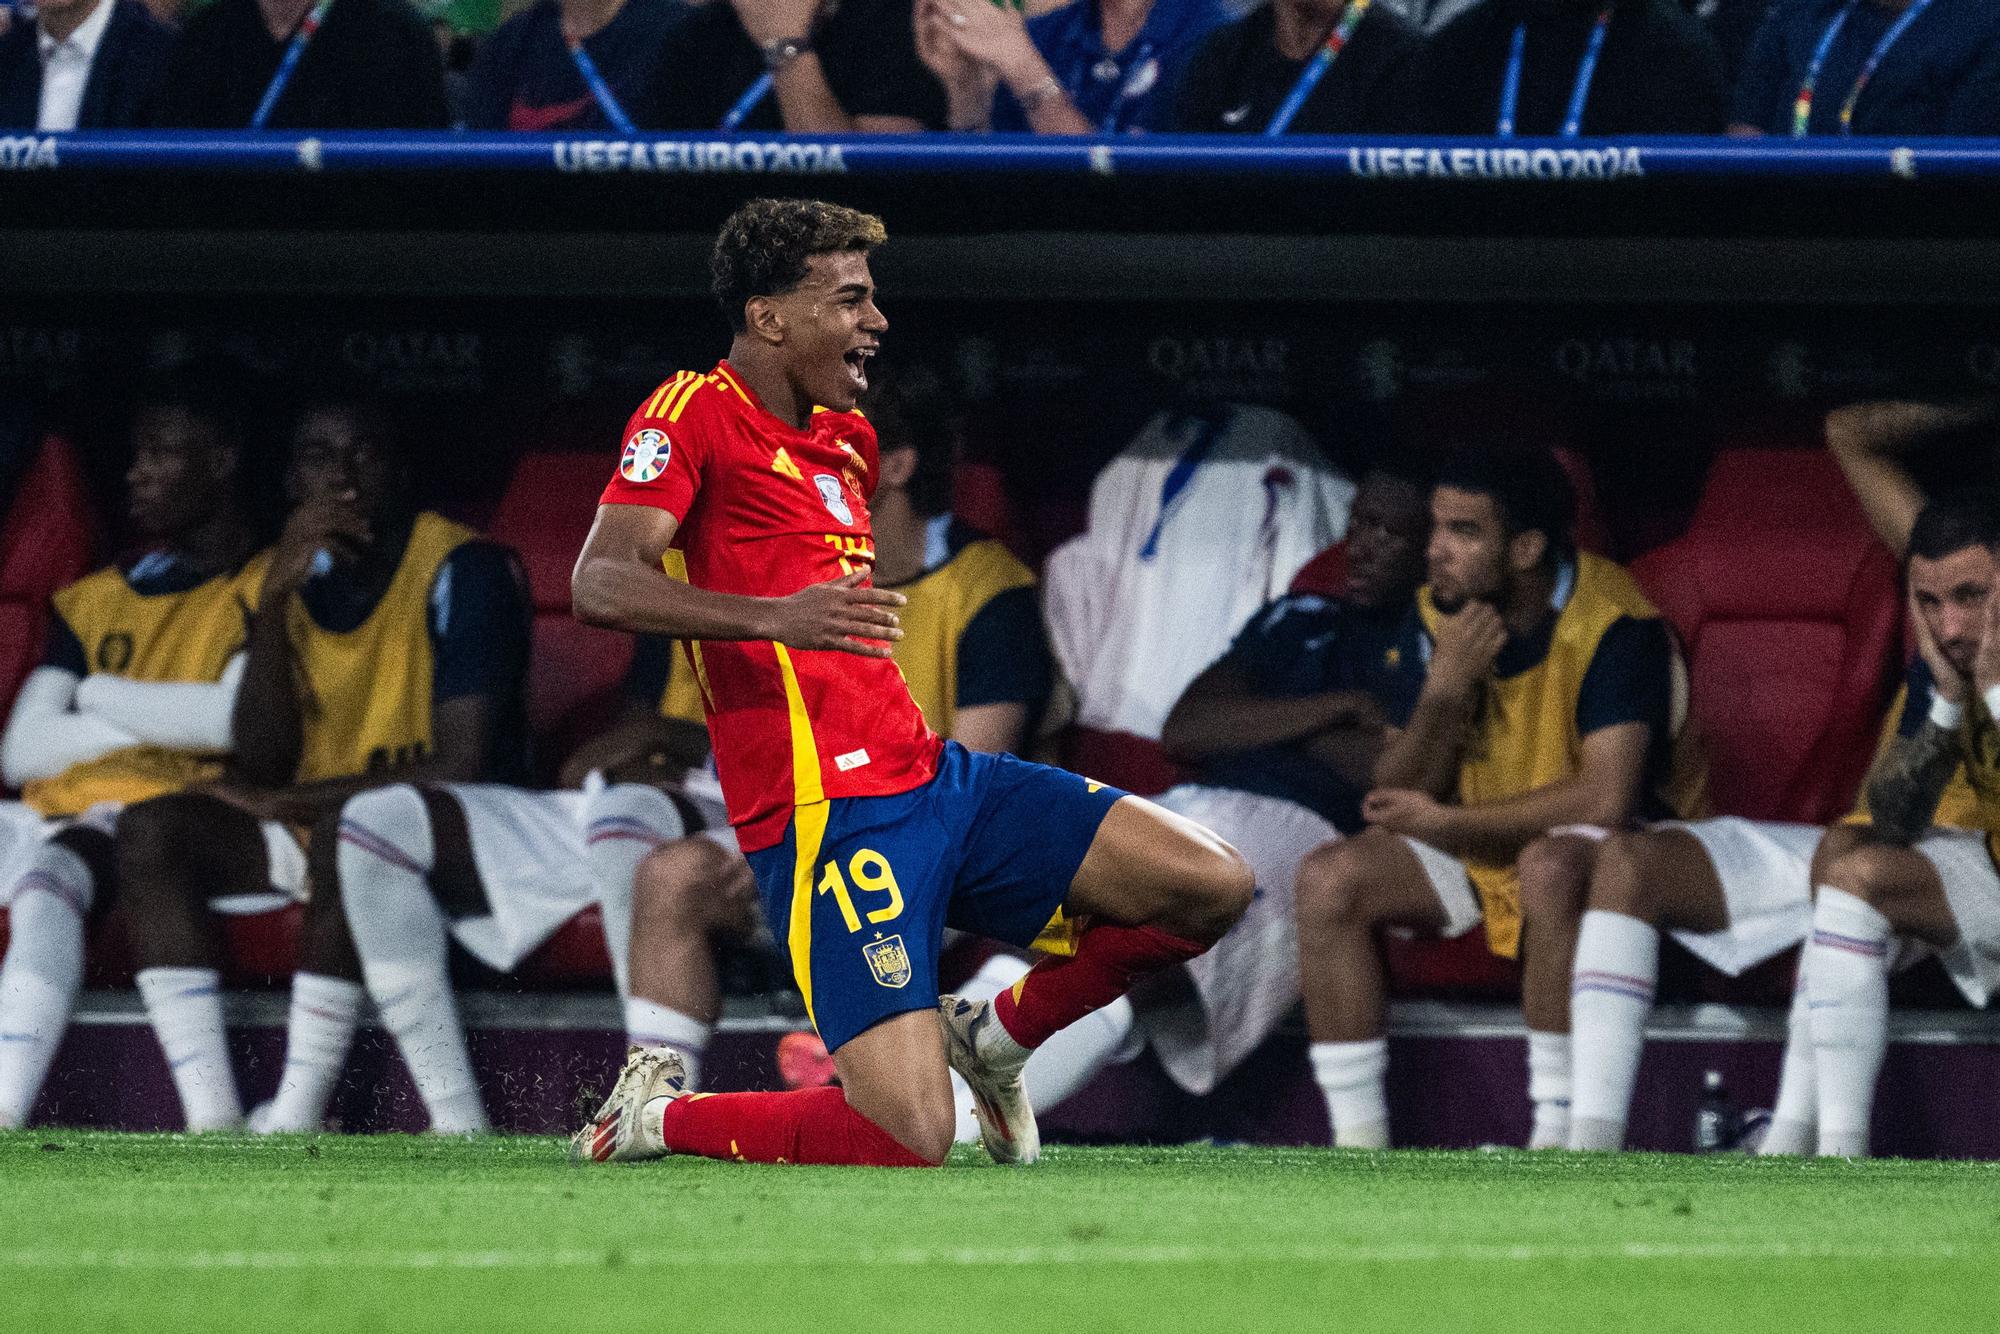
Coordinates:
[860,890]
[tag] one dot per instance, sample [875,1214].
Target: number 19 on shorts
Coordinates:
[868,873]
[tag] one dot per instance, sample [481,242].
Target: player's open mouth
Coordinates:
[857,365]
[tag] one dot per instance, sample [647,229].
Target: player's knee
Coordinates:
[1836,843]
[1871,873]
[673,891]
[1334,883]
[381,832]
[926,1127]
[157,849]
[1214,893]
[1555,876]
[1620,883]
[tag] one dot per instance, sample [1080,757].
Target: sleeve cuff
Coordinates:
[1946,714]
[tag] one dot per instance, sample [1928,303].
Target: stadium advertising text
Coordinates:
[26,152]
[669,155]
[1497,164]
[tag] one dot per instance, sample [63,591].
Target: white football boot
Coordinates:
[614,1135]
[1006,1121]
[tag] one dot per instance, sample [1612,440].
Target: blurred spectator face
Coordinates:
[62,15]
[179,463]
[338,451]
[1387,532]
[831,329]
[1470,551]
[1951,594]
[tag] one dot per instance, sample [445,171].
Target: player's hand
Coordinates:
[995,36]
[1468,641]
[940,51]
[1949,683]
[324,523]
[1986,664]
[1406,811]
[840,615]
[768,20]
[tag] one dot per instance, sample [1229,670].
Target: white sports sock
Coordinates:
[324,1013]
[1795,1119]
[384,859]
[1611,993]
[651,1024]
[1548,1089]
[1060,1066]
[185,1005]
[43,969]
[1352,1075]
[1848,977]
[622,823]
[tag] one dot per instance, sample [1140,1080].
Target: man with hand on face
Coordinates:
[1536,691]
[132,699]
[387,645]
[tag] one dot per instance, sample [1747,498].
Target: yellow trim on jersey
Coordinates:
[808,833]
[722,374]
[677,404]
[660,394]
[806,785]
[1526,736]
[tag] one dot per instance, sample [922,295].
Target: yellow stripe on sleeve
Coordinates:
[661,394]
[809,818]
[677,405]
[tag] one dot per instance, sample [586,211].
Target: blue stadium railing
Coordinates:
[1188,156]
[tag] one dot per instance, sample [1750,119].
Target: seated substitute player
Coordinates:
[1284,732]
[1537,689]
[867,834]
[132,699]
[386,645]
[978,669]
[1734,892]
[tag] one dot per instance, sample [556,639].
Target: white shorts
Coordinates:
[1452,885]
[1766,874]
[532,852]
[1972,889]
[1249,980]
[22,831]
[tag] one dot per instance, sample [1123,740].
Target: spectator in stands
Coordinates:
[1733,24]
[978,667]
[82,65]
[1247,71]
[132,699]
[845,67]
[1090,67]
[573,64]
[369,65]
[1898,67]
[1535,686]
[1570,67]
[386,645]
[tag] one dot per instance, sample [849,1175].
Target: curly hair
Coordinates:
[764,248]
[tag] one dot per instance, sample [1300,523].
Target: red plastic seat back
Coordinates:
[45,544]
[1789,609]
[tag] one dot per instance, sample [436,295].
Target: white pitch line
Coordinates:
[972,1257]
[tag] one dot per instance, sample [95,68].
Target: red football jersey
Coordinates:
[766,510]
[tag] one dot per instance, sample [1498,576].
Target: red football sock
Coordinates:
[801,1126]
[1057,992]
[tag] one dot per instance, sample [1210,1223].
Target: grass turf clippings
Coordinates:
[161,1233]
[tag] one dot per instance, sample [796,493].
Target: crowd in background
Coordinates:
[1776,68]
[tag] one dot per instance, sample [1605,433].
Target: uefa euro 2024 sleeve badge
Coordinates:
[888,960]
[829,494]
[646,456]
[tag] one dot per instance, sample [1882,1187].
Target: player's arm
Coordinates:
[619,583]
[1909,777]
[1604,792]
[805,100]
[1221,713]
[1869,441]
[45,735]
[265,721]
[643,738]
[1423,752]
[1004,673]
[180,715]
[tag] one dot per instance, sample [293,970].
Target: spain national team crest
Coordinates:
[830,495]
[646,456]
[889,961]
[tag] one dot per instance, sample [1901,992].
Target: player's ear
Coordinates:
[1527,549]
[898,466]
[763,318]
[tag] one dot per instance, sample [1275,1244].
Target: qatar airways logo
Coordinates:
[719,157]
[1496,164]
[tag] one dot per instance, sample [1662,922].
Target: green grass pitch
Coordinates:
[156,1233]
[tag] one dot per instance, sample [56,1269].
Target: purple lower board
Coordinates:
[1445,1092]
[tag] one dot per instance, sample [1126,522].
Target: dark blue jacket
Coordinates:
[1941,77]
[124,79]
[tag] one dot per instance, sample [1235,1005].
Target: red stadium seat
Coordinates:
[45,543]
[575,669]
[1788,607]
